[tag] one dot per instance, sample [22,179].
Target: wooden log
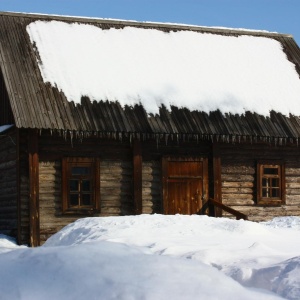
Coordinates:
[34,187]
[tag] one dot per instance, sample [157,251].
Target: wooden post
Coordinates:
[33,158]
[217,178]
[137,176]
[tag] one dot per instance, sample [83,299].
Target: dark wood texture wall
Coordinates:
[237,163]
[116,175]
[23,226]
[238,176]
[8,183]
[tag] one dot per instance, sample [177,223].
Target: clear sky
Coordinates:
[272,15]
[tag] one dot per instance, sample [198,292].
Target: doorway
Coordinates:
[185,185]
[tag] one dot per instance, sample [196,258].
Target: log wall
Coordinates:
[23,226]
[116,168]
[239,178]
[116,176]
[8,183]
[151,187]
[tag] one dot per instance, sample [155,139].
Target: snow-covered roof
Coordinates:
[116,78]
[196,70]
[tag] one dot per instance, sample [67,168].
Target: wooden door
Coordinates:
[185,185]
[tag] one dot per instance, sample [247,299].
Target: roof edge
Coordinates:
[148,24]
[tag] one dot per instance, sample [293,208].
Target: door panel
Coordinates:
[178,202]
[185,184]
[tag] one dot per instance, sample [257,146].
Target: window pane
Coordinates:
[74,200]
[74,185]
[81,170]
[265,192]
[86,185]
[86,199]
[271,171]
[275,193]
[265,182]
[275,182]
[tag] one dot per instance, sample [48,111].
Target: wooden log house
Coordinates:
[60,161]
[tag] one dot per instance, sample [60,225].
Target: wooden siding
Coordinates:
[115,194]
[239,178]
[23,226]
[151,187]
[8,183]
[116,188]
[116,179]
[116,176]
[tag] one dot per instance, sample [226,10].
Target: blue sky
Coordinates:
[272,15]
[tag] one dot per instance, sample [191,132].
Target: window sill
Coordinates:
[270,203]
[81,211]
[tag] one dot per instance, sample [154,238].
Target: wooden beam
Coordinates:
[232,211]
[217,178]
[137,176]
[33,158]
[19,219]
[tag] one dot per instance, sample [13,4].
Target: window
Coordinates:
[80,185]
[270,183]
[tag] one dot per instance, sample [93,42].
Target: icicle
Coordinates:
[166,139]
[71,137]
[64,135]
[233,139]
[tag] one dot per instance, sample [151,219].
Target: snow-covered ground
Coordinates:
[157,257]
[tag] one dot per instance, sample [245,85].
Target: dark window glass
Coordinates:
[74,199]
[81,170]
[74,185]
[275,193]
[271,171]
[275,182]
[265,192]
[265,182]
[86,185]
[86,199]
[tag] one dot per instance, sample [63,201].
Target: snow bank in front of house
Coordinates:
[199,71]
[158,257]
[258,255]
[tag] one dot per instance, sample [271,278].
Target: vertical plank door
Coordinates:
[185,186]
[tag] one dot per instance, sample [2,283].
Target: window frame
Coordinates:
[271,201]
[94,165]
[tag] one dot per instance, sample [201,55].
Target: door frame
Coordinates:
[166,160]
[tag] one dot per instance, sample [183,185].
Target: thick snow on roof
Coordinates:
[196,70]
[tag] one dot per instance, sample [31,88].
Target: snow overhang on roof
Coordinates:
[196,70]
